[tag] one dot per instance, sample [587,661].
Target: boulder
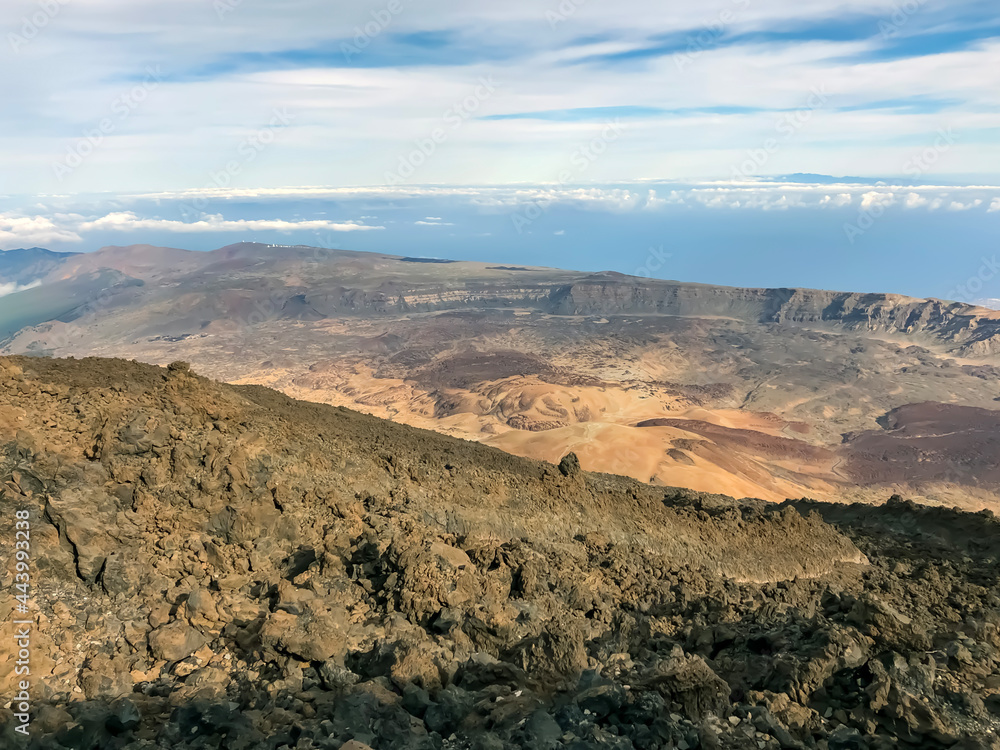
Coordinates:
[688,681]
[175,641]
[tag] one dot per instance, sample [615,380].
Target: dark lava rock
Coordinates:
[570,465]
[227,568]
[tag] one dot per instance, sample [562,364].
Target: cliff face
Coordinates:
[973,330]
[950,321]
[969,330]
[314,283]
[626,296]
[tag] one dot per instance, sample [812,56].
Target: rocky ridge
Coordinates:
[350,283]
[973,331]
[224,567]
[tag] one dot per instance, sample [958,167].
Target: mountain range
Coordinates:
[767,393]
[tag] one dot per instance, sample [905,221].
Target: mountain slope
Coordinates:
[750,392]
[221,566]
[19,268]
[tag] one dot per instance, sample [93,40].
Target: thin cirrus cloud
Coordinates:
[879,39]
[445,47]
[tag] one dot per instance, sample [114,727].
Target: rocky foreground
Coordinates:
[224,567]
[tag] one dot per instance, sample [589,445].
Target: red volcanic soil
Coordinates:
[928,442]
[751,441]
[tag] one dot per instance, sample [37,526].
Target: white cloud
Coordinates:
[364,118]
[654,201]
[877,198]
[749,194]
[959,206]
[128,221]
[837,201]
[13,288]
[17,231]
[44,225]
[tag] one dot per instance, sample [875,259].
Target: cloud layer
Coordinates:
[807,231]
[266,210]
[128,221]
[110,95]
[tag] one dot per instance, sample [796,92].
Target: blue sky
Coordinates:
[108,102]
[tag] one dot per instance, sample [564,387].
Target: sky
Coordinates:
[837,143]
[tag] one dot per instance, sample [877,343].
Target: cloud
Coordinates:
[654,201]
[127,221]
[615,199]
[66,220]
[749,194]
[17,230]
[877,199]
[837,201]
[959,206]
[12,288]
[559,79]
